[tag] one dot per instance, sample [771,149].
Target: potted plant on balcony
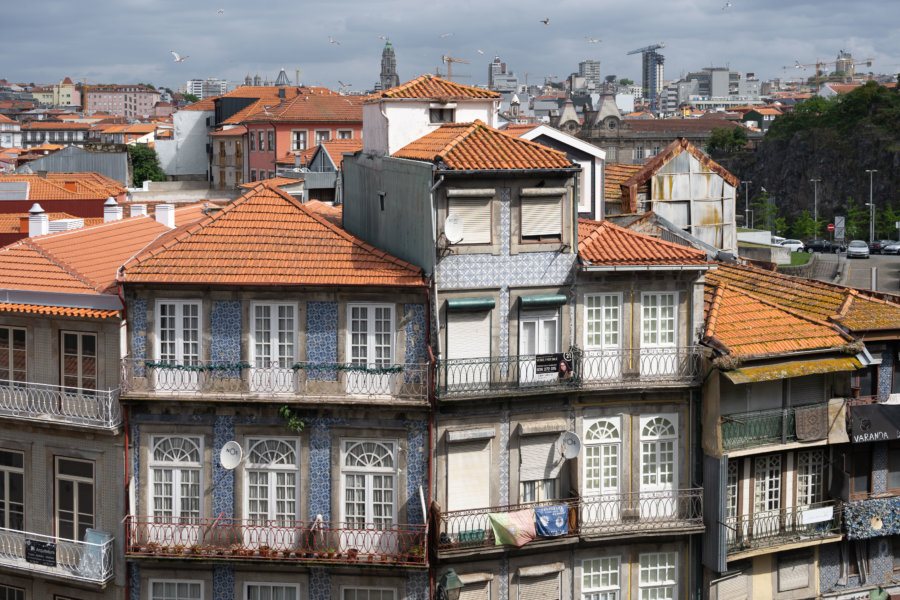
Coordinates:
[416,554]
[264,551]
[353,554]
[150,548]
[329,553]
[178,549]
[196,549]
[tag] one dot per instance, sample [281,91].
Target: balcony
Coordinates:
[763,427]
[463,378]
[282,541]
[808,523]
[57,404]
[640,367]
[52,556]
[590,517]
[404,384]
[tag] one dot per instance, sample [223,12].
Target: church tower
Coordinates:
[389,77]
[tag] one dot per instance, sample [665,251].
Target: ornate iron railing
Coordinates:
[639,367]
[248,539]
[601,515]
[761,427]
[298,380]
[54,403]
[511,375]
[60,557]
[783,526]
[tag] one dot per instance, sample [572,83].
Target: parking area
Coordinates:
[859,271]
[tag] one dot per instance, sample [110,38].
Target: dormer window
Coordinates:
[441,115]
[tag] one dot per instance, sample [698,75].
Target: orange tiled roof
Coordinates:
[337,148]
[616,175]
[231,131]
[741,323]
[602,243]
[518,129]
[855,310]
[5,119]
[311,107]
[429,86]
[333,214]
[37,125]
[62,311]
[472,146]
[264,238]
[67,186]
[83,260]
[274,181]
[290,157]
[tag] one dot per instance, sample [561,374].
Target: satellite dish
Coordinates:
[453,229]
[231,454]
[569,445]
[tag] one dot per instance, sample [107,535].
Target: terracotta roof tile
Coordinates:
[333,214]
[53,125]
[616,175]
[602,243]
[231,131]
[519,129]
[310,107]
[266,237]
[63,311]
[337,148]
[744,324]
[429,86]
[473,146]
[274,181]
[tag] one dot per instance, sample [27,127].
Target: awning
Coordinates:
[798,368]
[461,304]
[540,300]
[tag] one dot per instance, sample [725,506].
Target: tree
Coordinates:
[190,98]
[804,227]
[781,226]
[764,212]
[720,139]
[739,137]
[626,81]
[145,164]
[857,222]
[886,223]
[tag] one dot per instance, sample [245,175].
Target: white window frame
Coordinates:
[369,473]
[611,570]
[272,469]
[79,357]
[295,147]
[322,135]
[358,588]
[175,581]
[371,332]
[77,481]
[179,328]
[261,140]
[20,375]
[275,374]
[644,568]
[345,134]
[549,231]
[438,116]
[6,473]
[471,210]
[187,536]
[657,331]
[608,448]
[810,476]
[602,310]
[249,584]
[768,491]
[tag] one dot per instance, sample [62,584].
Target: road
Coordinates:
[859,273]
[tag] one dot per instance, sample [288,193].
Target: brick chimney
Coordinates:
[38,221]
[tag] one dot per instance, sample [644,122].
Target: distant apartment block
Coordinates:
[65,93]
[131,101]
[207,88]
[499,79]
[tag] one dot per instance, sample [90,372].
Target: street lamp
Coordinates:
[815,183]
[871,207]
[746,185]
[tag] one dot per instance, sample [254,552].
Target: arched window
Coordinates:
[369,478]
[602,456]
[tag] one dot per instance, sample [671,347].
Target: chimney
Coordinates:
[23,224]
[38,221]
[111,210]
[165,214]
[70,186]
[42,174]
[138,210]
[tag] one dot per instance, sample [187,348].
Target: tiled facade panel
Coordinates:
[223,582]
[225,323]
[223,479]
[880,563]
[322,337]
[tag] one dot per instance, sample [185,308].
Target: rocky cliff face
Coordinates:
[785,167]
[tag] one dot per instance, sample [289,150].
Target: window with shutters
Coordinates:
[600,578]
[539,467]
[766,486]
[12,490]
[13,354]
[469,475]
[602,456]
[175,589]
[810,476]
[271,591]
[174,490]
[74,497]
[270,138]
[271,487]
[793,570]
[262,140]
[542,587]
[657,576]
[298,140]
[541,218]
[79,361]
[475,216]
[807,390]
[468,349]
[476,590]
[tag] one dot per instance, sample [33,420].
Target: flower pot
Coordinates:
[353,554]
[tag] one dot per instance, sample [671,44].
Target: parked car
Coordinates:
[858,249]
[878,245]
[822,246]
[794,245]
[894,248]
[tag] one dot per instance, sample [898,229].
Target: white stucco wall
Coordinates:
[185,154]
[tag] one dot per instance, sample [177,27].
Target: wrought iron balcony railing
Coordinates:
[782,526]
[590,516]
[639,367]
[249,539]
[298,380]
[512,375]
[54,403]
[71,559]
[758,428]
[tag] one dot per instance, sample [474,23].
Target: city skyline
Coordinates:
[345,42]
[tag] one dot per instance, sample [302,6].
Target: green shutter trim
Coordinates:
[461,304]
[540,300]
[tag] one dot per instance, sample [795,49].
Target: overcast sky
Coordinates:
[128,41]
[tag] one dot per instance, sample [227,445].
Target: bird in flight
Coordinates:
[221,11]
[331,40]
[727,6]
[480,51]
[446,35]
[382,37]
[546,21]
[344,85]
[178,57]
[593,41]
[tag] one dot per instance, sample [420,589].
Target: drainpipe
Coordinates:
[437,313]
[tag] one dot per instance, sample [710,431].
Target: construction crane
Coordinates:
[449,60]
[651,60]
[822,63]
[550,78]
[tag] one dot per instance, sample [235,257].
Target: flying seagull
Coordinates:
[593,41]
[446,35]
[727,5]
[344,85]
[178,57]
[546,21]
[331,40]
[382,37]
[221,11]
[480,51]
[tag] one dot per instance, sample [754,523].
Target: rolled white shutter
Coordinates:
[469,334]
[539,458]
[476,591]
[475,214]
[542,215]
[545,587]
[469,475]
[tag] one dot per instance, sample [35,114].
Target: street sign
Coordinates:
[831,227]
